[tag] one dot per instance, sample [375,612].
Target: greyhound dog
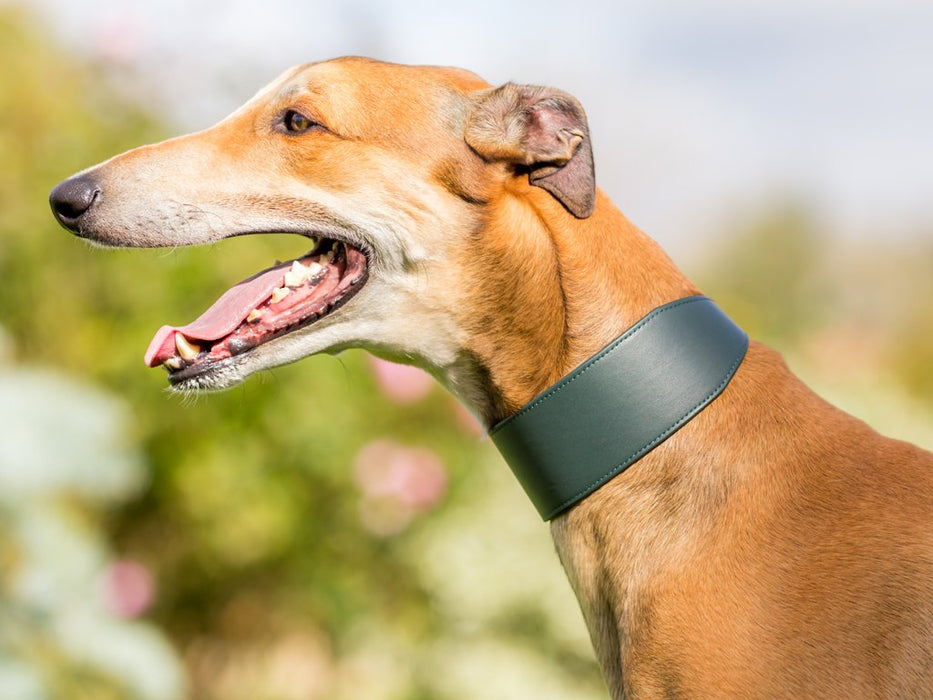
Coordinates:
[771,547]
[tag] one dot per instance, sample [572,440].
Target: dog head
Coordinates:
[400,176]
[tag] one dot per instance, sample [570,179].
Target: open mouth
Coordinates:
[270,304]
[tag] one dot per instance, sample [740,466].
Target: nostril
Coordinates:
[71,199]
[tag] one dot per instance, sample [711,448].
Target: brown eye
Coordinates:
[296,122]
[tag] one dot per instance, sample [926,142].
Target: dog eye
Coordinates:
[296,122]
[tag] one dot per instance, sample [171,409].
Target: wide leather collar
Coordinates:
[621,403]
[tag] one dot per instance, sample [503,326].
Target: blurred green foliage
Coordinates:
[912,357]
[769,273]
[864,309]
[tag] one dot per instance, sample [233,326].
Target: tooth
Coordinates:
[279,293]
[296,275]
[172,364]
[186,348]
[254,316]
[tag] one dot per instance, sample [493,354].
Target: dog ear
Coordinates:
[542,129]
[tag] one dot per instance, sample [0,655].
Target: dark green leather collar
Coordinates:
[621,403]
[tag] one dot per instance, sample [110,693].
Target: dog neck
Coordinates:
[560,289]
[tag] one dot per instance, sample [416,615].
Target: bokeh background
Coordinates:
[340,528]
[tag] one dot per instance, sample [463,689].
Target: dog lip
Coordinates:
[198,371]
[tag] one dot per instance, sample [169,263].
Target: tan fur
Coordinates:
[775,547]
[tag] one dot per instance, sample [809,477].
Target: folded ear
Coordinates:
[543,129]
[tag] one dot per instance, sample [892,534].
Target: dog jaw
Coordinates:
[389,315]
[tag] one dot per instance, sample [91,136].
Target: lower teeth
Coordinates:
[186,348]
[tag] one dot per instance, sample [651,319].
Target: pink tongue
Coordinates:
[224,316]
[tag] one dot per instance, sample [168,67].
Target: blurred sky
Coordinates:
[700,111]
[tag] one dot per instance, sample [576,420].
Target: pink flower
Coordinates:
[397,483]
[128,588]
[401,383]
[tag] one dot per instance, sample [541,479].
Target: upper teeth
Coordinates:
[299,273]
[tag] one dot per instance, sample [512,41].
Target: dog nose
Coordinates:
[72,198]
